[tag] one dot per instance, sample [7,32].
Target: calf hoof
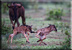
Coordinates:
[39,44]
[39,40]
[45,43]
[27,42]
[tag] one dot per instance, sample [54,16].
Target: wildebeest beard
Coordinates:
[14,17]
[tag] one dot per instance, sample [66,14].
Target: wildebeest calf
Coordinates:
[41,33]
[21,29]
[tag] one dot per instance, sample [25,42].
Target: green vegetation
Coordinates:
[6,29]
[55,14]
[67,42]
[4,8]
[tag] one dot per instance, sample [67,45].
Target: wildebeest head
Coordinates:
[53,28]
[14,6]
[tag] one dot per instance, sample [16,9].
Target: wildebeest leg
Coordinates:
[11,21]
[26,38]
[14,24]
[23,20]
[17,22]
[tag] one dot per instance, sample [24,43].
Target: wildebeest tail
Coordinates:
[12,27]
[35,32]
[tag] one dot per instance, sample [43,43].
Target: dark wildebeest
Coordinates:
[24,29]
[15,11]
[45,31]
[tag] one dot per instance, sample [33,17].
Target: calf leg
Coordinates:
[37,35]
[12,38]
[9,38]
[12,35]
[44,43]
[41,39]
[40,42]
[26,38]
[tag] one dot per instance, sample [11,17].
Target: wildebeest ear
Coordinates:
[9,6]
[49,24]
[31,25]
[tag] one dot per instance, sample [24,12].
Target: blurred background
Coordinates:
[40,13]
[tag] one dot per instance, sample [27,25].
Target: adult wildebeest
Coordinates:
[45,31]
[15,11]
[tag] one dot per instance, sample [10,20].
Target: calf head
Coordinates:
[29,28]
[53,28]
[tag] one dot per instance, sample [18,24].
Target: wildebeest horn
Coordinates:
[9,6]
[20,5]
